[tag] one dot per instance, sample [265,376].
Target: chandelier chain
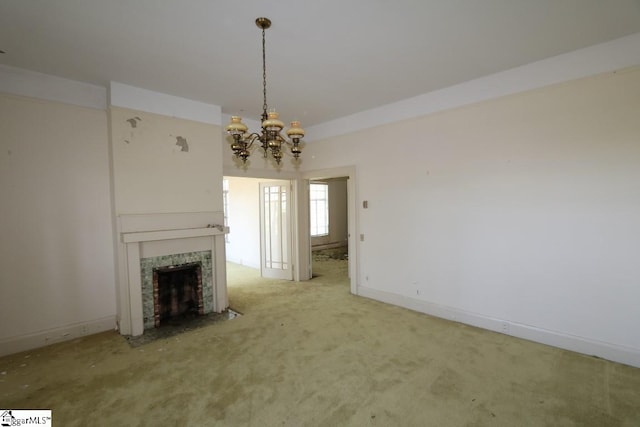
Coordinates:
[264,77]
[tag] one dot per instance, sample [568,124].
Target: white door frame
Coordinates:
[352,217]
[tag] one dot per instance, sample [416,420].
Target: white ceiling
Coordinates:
[325,59]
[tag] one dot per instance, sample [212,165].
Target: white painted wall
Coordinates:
[523,210]
[151,172]
[243,246]
[338,226]
[56,251]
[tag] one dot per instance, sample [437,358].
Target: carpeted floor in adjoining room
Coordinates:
[313,354]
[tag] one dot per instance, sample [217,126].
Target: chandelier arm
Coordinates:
[284,139]
[253,136]
[250,139]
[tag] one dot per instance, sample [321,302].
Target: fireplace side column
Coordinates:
[135,288]
[218,251]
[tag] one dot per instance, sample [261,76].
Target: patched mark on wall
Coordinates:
[133,121]
[182,143]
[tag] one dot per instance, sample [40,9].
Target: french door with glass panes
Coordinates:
[275,230]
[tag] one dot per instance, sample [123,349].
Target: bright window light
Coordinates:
[319,209]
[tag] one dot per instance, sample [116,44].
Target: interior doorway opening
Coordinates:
[242,205]
[348,174]
[258,214]
[329,225]
[254,207]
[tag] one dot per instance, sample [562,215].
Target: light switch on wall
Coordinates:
[365,204]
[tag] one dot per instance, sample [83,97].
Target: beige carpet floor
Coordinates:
[311,354]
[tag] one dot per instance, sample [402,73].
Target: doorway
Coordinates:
[329,226]
[258,212]
[242,200]
[346,176]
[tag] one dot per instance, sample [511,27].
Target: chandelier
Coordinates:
[270,138]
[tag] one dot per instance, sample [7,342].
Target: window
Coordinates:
[319,209]
[225,205]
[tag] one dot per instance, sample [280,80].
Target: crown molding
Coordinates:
[601,58]
[135,98]
[18,81]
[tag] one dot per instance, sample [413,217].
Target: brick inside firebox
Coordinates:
[177,292]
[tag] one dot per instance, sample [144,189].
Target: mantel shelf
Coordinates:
[149,236]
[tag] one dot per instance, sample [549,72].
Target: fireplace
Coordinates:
[177,280]
[177,293]
[172,265]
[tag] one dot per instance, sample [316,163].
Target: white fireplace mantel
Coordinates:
[150,236]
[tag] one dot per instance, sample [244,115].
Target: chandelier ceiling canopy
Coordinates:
[270,137]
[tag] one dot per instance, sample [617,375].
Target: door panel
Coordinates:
[275,230]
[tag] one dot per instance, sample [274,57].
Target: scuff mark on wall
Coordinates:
[182,143]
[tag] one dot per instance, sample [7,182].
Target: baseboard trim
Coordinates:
[51,336]
[616,353]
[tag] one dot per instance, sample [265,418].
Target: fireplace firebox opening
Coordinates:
[177,292]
